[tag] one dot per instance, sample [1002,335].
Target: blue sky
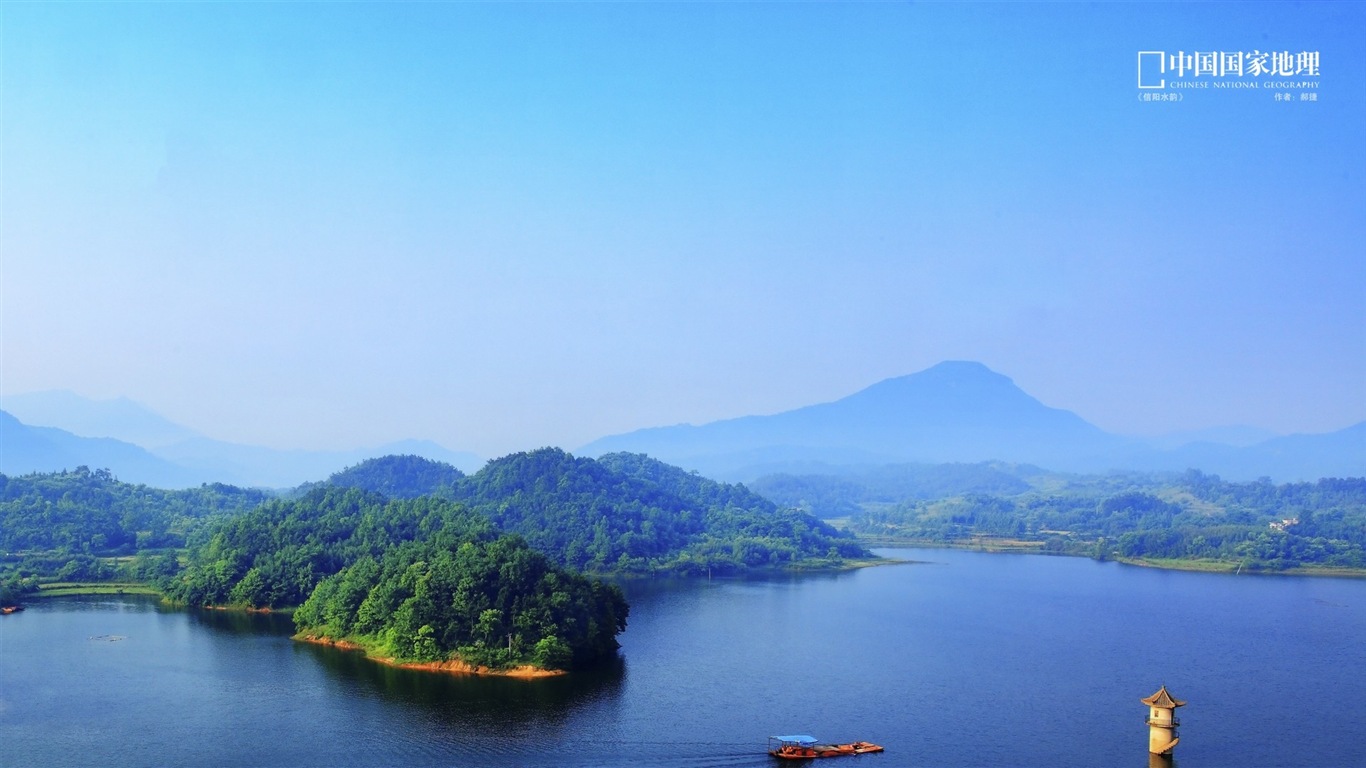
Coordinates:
[500,226]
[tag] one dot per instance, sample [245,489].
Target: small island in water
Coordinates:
[487,607]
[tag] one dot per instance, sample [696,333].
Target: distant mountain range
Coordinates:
[965,412]
[119,418]
[25,449]
[141,446]
[1283,459]
[953,412]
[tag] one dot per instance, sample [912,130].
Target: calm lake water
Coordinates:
[967,660]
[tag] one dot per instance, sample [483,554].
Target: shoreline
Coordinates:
[448,667]
[849,564]
[244,609]
[1020,547]
[1231,569]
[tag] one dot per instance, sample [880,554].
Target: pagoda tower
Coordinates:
[1162,721]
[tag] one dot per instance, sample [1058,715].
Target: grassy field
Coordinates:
[1181,564]
[1223,566]
[989,544]
[68,588]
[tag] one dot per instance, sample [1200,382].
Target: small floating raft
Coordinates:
[803,747]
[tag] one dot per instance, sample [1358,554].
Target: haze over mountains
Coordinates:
[952,412]
[141,446]
[25,449]
[965,412]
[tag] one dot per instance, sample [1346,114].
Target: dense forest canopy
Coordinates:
[631,513]
[85,511]
[411,579]
[491,602]
[620,513]
[398,477]
[273,556]
[84,524]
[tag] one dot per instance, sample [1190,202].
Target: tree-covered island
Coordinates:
[423,581]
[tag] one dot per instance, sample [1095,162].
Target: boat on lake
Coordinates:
[804,747]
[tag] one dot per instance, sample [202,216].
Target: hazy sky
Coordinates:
[501,226]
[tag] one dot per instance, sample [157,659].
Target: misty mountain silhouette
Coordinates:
[25,449]
[954,411]
[140,446]
[960,411]
[119,418]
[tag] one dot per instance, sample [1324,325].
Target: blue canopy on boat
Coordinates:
[799,738]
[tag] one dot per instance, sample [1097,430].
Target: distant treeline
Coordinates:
[1193,515]
[829,496]
[84,525]
[89,512]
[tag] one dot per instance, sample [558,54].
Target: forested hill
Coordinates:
[84,511]
[682,483]
[622,513]
[274,555]
[399,477]
[420,580]
[85,524]
[630,513]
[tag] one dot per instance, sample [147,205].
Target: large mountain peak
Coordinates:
[958,370]
[957,410]
[952,382]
